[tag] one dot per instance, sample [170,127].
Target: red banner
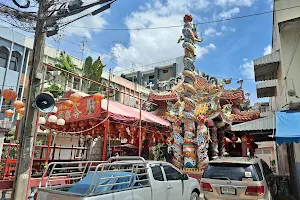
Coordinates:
[87,108]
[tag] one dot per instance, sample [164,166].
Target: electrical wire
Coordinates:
[176,26]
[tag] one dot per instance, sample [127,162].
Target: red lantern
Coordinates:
[75,97]
[98,97]
[9,95]
[9,113]
[132,129]
[226,141]
[68,103]
[18,104]
[244,139]
[21,111]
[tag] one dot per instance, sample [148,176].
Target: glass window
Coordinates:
[258,151]
[3,59]
[266,169]
[165,71]
[13,63]
[20,92]
[76,84]
[258,171]
[171,173]
[267,151]
[151,77]
[230,171]
[157,173]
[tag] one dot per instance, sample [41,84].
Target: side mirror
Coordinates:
[184,177]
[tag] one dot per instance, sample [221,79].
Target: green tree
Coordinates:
[55,89]
[65,62]
[93,70]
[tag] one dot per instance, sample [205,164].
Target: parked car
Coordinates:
[124,178]
[237,178]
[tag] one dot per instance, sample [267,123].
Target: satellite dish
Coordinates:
[44,102]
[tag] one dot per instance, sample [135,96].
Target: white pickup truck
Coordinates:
[120,178]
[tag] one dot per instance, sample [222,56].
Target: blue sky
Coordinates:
[227,50]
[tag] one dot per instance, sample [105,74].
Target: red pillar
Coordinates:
[105,140]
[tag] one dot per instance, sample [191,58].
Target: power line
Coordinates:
[176,26]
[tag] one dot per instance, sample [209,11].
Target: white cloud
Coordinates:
[271,4]
[267,50]
[227,28]
[247,69]
[230,13]
[149,46]
[88,22]
[225,3]
[211,46]
[211,32]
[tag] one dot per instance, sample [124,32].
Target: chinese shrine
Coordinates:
[200,110]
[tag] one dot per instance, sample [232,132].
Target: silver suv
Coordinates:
[240,178]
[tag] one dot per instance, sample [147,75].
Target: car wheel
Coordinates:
[195,196]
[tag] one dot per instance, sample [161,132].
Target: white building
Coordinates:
[278,75]
[15,62]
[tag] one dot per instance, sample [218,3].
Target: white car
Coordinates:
[125,179]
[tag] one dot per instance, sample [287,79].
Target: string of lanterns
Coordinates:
[10,95]
[73,101]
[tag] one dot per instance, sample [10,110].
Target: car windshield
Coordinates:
[232,172]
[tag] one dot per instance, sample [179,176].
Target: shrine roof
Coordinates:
[200,84]
[169,96]
[238,117]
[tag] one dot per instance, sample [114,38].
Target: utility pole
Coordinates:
[82,42]
[27,141]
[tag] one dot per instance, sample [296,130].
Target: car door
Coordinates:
[174,184]
[269,177]
[158,183]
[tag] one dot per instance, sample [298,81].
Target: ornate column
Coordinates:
[177,144]
[202,141]
[189,147]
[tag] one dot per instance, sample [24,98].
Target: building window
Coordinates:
[117,95]
[3,57]
[258,151]
[151,77]
[20,92]
[267,151]
[76,84]
[14,63]
[165,71]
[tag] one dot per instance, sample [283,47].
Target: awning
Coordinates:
[265,68]
[119,111]
[266,123]
[287,127]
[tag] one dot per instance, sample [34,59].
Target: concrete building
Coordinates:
[150,75]
[277,75]
[266,152]
[15,62]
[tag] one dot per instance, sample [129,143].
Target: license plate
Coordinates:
[226,190]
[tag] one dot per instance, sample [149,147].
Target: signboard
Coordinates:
[87,108]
